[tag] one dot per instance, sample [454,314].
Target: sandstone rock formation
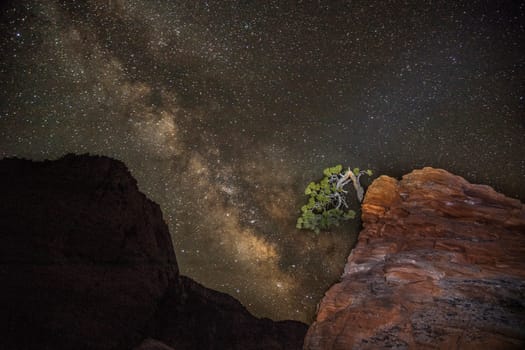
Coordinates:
[439,264]
[86,262]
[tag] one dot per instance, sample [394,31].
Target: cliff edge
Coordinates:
[440,263]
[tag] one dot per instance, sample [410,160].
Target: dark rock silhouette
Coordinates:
[209,313]
[440,263]
[86,262]
[152,344]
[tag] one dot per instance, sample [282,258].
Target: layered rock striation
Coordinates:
[86,262]
[439,264]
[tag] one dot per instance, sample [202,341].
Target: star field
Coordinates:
[225,110]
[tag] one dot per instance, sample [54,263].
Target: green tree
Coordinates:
[327,203]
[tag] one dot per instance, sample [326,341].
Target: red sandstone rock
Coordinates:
[439,264]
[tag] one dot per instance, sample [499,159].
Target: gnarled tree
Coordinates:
[327,204]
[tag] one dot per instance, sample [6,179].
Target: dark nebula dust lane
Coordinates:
[225,110]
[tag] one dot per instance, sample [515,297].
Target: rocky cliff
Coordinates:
[86,262]
[439,264]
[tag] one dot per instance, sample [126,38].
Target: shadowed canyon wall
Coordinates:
[86,262]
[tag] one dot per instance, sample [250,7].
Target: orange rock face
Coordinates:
[440,263]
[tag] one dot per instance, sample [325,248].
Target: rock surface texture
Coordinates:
[440,263]
[86,262]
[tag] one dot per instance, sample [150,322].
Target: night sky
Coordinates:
[225,110]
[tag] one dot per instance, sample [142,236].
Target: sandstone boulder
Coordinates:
[439,264]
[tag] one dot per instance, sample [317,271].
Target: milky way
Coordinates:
[224,111]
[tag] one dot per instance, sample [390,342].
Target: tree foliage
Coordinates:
[327,202]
